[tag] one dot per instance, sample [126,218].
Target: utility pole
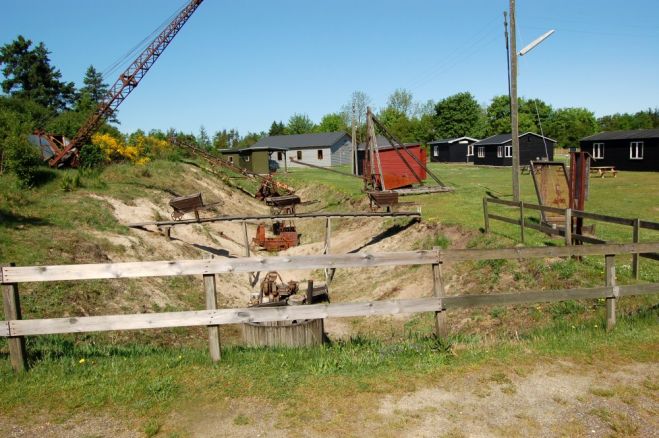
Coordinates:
[505,33]
[513,102]
[355,162]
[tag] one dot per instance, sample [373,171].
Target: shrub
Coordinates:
[91,157]
[24,160]
[138,150]
[70,181]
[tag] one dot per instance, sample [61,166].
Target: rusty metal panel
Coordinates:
[551,186]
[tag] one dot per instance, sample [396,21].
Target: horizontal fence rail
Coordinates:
[23,274]
[301,312]
[566,229]
[220,316]
[15,328]
[298,216]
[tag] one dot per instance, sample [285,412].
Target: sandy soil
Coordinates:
[545,400]
[226,240]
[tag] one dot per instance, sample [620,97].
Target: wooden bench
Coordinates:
[603,170]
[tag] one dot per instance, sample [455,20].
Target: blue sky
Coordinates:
[243,64]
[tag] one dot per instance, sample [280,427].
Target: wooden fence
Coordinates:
[567,230]
[15,328]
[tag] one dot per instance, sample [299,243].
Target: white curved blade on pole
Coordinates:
[537,41]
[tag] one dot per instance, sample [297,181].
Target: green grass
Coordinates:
[345,185]
[143,374]
[68,376]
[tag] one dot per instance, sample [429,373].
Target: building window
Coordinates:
[509,151]
[481,151]
[299,155]
[499,151]
[436,151]
[470,150]
[320,154]
[280,156]
[598,150]
[636,150]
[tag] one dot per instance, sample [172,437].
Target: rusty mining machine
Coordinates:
[278,196]
[57,150]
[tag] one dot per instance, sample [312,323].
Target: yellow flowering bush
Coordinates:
[138,150]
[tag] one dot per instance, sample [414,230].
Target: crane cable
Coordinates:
[139,47]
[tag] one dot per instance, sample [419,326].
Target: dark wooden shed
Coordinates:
[636,149]
[497,150]
[452,150]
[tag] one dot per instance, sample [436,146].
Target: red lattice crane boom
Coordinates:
[127,81]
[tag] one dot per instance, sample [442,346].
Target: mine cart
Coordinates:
[190,203]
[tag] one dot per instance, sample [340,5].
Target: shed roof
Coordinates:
[452,140]
[251,149]
[383,144]
[300,141]
[500,139]
[633,134]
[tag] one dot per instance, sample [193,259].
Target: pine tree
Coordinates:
[28,74]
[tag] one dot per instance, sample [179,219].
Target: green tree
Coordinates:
[24,160]
[299,124]
[249,139]
[359,101]
[67,123]
[28,74]
[397,123]
[277,128]
[641,120]
[498,117]
[226,139]
[458,115]
[423,128]
[93,92]
[203,140]
[332,122]
[18,118]
[94,86]
[402,101]
[568,125]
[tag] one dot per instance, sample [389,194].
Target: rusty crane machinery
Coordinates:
[65,153]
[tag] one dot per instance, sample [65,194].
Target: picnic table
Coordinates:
[601,171]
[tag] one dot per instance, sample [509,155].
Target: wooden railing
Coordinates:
[566,230]
[15,328]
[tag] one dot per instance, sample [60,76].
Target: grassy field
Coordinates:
[145,383]
[144,377]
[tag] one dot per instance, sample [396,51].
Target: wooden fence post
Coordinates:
[329,272]
[12,311]
[213,330]
[441,328]
[610,269]
[245,239]
[568,226]
[521,219]
[486,217]
[310,292]
[636,257]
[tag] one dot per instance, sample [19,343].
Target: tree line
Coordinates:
[461,115]
[36,98]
